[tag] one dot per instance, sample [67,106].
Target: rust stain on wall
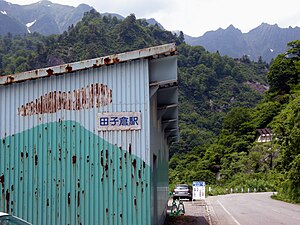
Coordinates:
[92,96]
[2,182]
[7,198]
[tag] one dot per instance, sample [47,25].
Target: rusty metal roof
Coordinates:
[264,131]
[152,52]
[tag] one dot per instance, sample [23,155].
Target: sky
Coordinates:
[195,17]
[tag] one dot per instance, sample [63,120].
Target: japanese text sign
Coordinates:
[119,121]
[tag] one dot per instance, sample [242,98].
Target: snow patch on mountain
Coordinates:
[28,25]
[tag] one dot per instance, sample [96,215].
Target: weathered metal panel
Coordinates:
[58,167]
[163,124]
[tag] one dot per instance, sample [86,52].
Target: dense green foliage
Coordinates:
[235,159]
[286,124]
[219,118]
[222,101]
[210,85]
[92,37]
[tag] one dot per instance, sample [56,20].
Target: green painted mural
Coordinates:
[61,173]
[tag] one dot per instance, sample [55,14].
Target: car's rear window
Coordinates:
[182,187]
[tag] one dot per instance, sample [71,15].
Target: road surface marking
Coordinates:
[229,213]
[208,212]
[275,210]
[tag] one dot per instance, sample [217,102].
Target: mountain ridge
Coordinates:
[263,42]
[46,18]
[266,41]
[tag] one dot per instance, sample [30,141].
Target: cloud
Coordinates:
[195,17]
[138,7]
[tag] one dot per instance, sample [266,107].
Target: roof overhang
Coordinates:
[167,107]
[152,52]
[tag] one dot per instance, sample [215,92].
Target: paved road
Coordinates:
[251,209]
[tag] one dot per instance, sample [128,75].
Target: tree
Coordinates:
[287,130]
[283,74]
[235,118]
[245,59]
[294,50]
[293,181]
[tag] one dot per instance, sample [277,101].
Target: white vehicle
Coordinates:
[182,191]
[6,219]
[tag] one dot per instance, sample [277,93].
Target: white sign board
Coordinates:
[198,190]
[119,121]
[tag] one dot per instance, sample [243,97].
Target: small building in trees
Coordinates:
[264,135]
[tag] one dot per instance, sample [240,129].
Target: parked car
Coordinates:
[183,191]
[6,219]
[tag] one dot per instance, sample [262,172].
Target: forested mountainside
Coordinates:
[92,37]
[222,101]
[235,159]
[210,85]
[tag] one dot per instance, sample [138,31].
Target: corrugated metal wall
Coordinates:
[161,70]
[56,167]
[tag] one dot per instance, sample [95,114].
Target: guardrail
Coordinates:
[221,190]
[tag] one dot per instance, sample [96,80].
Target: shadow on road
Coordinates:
[186,220]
